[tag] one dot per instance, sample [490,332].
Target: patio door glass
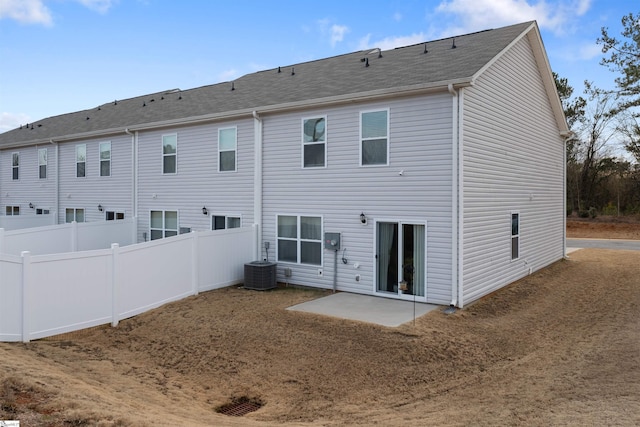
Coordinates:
[401,259]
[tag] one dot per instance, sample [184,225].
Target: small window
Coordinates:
[42,163]
[81,161]
[227,148]
[15,166]
[169,154]
[12,210]
[163,224]
[515,235]
[113,216]
[74,214]
[374,134]
[314,150]
[222,222]
[105,159]
[42,211]
[300,239]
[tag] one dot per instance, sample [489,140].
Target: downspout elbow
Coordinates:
[256,116]
[451,89]
[128,132]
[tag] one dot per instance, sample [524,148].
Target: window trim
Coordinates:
[298,239]
[164,228]
[75,215]
[167,155]
[12,210]
[304,144]
[226,220]
[235,149]
[515,236]
[100,160]
[15,168]
[362,140]
[85,160]
[46,163]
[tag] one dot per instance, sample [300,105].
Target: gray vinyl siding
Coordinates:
[114,192]
[420,133]
[29,188]
[513,161]
[197,183]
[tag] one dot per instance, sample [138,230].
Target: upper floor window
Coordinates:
[42,163]
[515,235]
[105,159]
[163,224]
[314,150]
[222,222]
[169,153]
[300,239]
[74,214]
[374,138]
[15,165]
[227,148]
[81,161]
[12,210]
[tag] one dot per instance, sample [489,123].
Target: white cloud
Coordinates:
[228,75]
[391,42]
[337,33]
[10,121]
[26,11]
[474,15]
[397,17]
[35,11]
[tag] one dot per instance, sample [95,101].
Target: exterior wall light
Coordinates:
[31,205]
[100,208]
[204,210]
[363,218]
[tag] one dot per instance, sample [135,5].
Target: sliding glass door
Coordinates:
[401,259]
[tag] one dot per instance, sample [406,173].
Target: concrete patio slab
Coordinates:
[366,308]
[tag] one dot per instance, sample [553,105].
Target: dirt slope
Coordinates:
[561,347]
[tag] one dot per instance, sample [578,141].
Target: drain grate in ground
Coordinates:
[239,407]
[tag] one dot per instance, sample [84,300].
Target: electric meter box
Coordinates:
[332,241]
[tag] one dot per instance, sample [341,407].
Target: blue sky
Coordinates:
[60,56]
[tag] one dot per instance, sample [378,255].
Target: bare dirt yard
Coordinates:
[560,347]
[604,227]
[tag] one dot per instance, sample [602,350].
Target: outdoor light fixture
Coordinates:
[363,218]
[31,205]
[100,208]
[204,210]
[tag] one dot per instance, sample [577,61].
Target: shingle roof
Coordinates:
[340,76]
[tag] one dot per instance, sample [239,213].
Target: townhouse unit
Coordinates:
[432,172]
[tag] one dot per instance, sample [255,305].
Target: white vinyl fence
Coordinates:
[15,222]
[72,237]
[44,295]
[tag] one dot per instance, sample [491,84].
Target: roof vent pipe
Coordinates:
[453,45]
[366,62]
[425,49]
[293,71]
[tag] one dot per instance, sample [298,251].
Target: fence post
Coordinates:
[134,231]
[2,240]
[195,282]
[115,252]
[74,236]
[26,267]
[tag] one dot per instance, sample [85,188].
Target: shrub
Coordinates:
[592,212]
[583,214]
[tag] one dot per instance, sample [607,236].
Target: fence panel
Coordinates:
[26,221]
[222,255]
[51,239]
[100,235]
[10,298]
[153,273]
[67,292]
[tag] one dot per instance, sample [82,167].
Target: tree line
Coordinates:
[603,153]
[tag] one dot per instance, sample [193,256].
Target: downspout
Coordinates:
[454,198]
[566,138]
[134,177]
[461,198]
[257,182]
[57,184]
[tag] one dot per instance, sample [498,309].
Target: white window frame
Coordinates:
[175,155]
[43,162]
[15,166]
[101,160]
[299,240]
[308,143]
[235,149]
[75,215]
[166,232]
[84,147]
[226,217]
[363,140]
[515,236]
[117,215]
[12,210]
